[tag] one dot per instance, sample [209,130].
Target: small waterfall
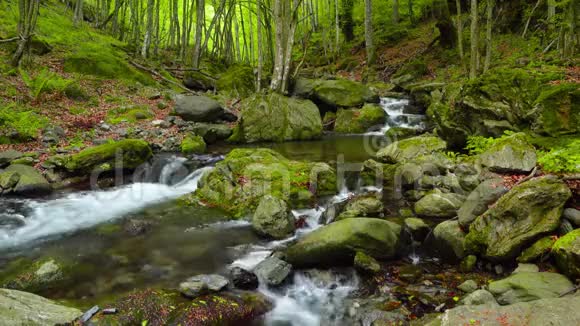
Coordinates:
[397,117]
[87,209]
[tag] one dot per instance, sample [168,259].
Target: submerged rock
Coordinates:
[243,279]
[352,121]
[238,183]
[526,212]
[22,308]
[38,276]
[411,148]
[557,312]
[197,108]
[273,271]
[124,154]
[273,218]
[277,118]
[203,284]
[567,253]
[511,154]
[529,286]
[338,242]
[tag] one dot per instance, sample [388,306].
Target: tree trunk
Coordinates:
[411,13]
[200,16]
[28,16]
[260,52]
[337,23]
[488,30]
[148,30]
[346,20]
[78,14]
[460,30]
[474,41]
[369,33]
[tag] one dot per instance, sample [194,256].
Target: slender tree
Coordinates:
[459,30]
[148,29]
[396,16]
[474,41]
[369,32]
[200,16]
[78,14]
[28,16]
[260,52]
[488,30]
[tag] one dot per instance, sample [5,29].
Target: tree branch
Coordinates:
[156,74]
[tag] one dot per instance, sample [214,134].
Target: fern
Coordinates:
[44,82]
[561,159]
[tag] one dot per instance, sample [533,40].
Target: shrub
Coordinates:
[565,159]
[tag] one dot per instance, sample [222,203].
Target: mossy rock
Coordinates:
[133,152]
[237,80]
[30,181]
[567,253]
[164,307]
[37,276]
[352,121]
[339,242]
[130,114]
[193,144]
[23,308]
[95,61]
[400,133]
[342,93]
[510,154]
[439,205]
[529,286]
[237,183]
[407,149]
[558,110]
[362,206]
[277,118]
[540,250]
[527,212]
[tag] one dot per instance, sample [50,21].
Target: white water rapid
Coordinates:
[87,209]
[396,116]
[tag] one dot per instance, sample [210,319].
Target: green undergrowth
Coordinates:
[130,114]
[19,124]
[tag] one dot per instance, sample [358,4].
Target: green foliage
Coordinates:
[44,82]
[22,121]
[479,144]
[565,159]
[129,114]
[193,144]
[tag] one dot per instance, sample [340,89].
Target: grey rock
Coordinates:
[529,286]
[243,279]
[19,308]
[528,268]
[479,200]
[439,205]
[31,182]
[8,156]
[449,240]
[554,312]
[468,286]
[572,215]
[512,154]
[273,271]
[273,218]
[203,284]
[197,108]
[417,228]
[479,297]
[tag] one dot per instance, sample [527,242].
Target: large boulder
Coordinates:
[555,312]
[540,250]
[362,206]
[520,217]
[21,308]
[23,180]
[197,108]
[273,271]
[567,253]
[273,218]
[358,121]
[338,242]
[162,307]
[510,154]
[449,241]
[478,201]
[439,205]
[277,118]
[342,93]
[410,148]
[123,154]
[193,144]
[238,183]
[8,156]
[529,286]
[557,110]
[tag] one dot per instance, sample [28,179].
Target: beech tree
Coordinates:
[28,16]
[369,33]
[474,63]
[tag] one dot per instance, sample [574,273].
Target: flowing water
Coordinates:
[135,236]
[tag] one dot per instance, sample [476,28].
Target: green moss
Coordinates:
[36,276]
[559,110]
[359,121]
[537,251]
[343,93]
[20,124]
[238,182]
[193,144]
[238,80]
[125,154]
[130,114]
